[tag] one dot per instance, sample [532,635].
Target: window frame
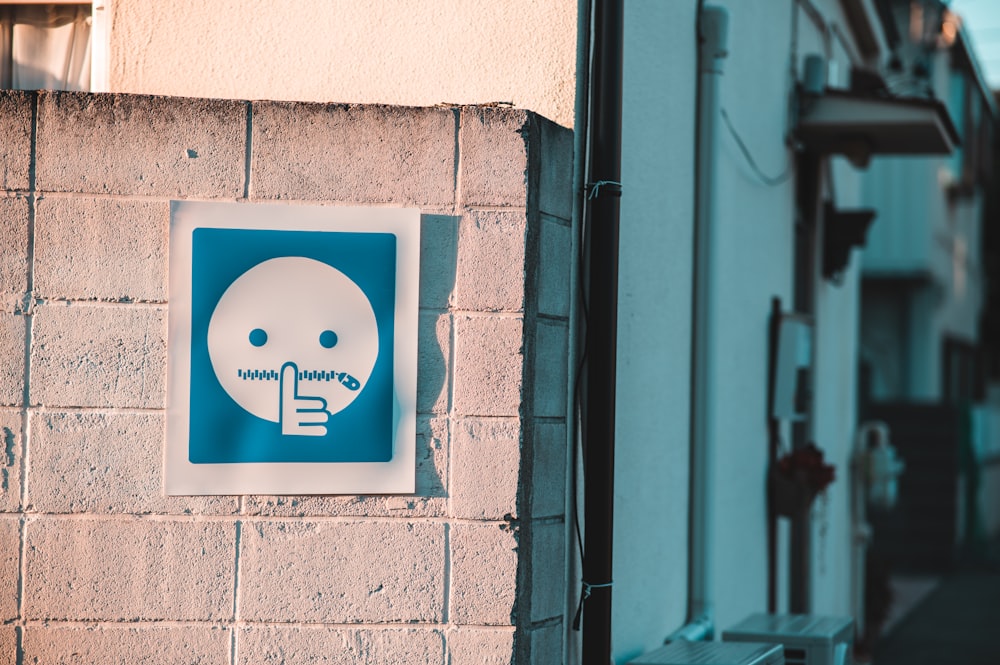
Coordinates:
[100,36]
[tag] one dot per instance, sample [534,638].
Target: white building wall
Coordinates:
[654,325]
[379,51]
[757,250]
[836,353]
[837,348]
[755,263]
[755,232]
[834,426]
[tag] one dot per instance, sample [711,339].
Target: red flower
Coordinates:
[807,463]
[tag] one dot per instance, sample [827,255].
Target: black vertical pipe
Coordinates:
[602,219]
[774,441]
[809,169]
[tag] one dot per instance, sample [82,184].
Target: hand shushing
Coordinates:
[300,415]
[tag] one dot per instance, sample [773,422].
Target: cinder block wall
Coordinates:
[99,566]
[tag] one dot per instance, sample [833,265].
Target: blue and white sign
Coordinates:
[292,349]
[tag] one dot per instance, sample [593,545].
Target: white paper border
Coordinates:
[396,476]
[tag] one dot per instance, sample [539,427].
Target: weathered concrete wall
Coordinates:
[99,563]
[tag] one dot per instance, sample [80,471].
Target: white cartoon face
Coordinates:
[293,339]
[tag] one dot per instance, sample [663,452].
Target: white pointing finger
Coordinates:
[289,381]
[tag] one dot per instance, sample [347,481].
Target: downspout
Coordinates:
[603,198]
[713,27]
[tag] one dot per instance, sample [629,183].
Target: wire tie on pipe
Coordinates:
[594,188]
[584,595]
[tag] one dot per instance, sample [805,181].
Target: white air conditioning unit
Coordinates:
[683,652]
[808,639]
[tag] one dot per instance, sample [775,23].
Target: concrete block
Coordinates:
[555,183]
[548,564]
[105,463]
[438,255]
[494,149]
[430,499]
[479,646]
[11,450]
[12,334]
[488,365]
[433,357]
[84,355]
[548,473]
[342,572]
[138,144]
[551,367]
[546,645]
[296,645]
[10,564]
[8,644]
[485,469]
[15,149]
[351,153]
[14,257]
[490,274]
[555,258]
[129,570]
[483,574]
[100,249]
[135,645]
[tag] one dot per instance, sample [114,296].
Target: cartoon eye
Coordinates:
[328,339]
[258,337]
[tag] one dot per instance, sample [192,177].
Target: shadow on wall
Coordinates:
[438,261]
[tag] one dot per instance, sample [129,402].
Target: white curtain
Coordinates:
[45,47]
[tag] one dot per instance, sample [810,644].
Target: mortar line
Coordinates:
[449,510]
[458,162]
[551,318]
[495,208]
[550,420]
[92,302]
[435,208]
[267,519]
[556,220]
[96,410]
[26,389]
[213,623]
[452,339]
[249,154]
[475,314]
[545,623]
[233,647]
[446,606]
[462,417]
[135,196]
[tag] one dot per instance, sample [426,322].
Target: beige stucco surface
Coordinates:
[410,52]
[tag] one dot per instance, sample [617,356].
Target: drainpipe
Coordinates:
[712,32]
[602,217]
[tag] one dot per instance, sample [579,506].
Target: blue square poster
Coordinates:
[291,349]
[291,346]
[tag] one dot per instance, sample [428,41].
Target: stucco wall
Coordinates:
[654,326]
[378,51]
[99,563]
[755,262]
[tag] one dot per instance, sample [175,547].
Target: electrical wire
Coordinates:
[771,181]
[579,453]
